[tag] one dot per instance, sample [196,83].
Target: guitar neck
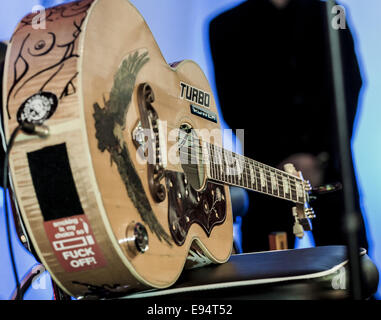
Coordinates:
[236,170]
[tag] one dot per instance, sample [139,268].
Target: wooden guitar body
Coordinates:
[102,220]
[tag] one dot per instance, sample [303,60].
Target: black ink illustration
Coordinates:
[48,42]
[110,122]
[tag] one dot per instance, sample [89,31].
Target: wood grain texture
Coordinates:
[83,47]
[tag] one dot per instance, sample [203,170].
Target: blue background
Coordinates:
[181,31]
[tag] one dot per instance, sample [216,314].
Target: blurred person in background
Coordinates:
[274,80]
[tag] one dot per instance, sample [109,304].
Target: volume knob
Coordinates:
[137,238]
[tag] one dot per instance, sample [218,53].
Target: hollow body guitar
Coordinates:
[131,185]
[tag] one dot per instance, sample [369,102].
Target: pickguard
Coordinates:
[187,206]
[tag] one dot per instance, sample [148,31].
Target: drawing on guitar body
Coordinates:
[132,185]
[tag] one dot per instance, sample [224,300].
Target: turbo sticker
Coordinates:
[74,244]
[194,95]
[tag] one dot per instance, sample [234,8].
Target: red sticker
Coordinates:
[74,243]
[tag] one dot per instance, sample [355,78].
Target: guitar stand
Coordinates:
[297,274]
[319,273]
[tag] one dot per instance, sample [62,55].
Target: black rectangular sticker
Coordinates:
[53,182]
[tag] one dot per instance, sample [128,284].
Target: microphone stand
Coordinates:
[351,225]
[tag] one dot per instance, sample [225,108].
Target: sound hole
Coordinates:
[191,156]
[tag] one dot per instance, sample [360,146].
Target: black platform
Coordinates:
[310,274]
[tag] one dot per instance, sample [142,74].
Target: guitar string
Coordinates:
[242,161]
[232,178]
[283,195]
[278,183]
[246,159]
[224,150]
[247,164]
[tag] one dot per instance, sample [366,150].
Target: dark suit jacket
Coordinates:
[274,79]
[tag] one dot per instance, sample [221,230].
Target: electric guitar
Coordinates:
[131,184]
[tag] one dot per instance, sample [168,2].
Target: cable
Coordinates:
[5,183]
[28,128]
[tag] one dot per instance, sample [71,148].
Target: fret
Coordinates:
[234,169]
[228,167]
[257,177]
[219,167]
[211,162]
[253,176]
[239,169]
[280,185]
[241,178]
[274,182]
[263,174]
[252,182]
[219,164]
[294,195]
[296,183]
[223,169]
[231,168]
[262,178]
[248,176]
[286,186]
[299,191]
[205,158]
[215,162]
[244,173]
[246,168]
[292,188]
[268,179]
[223,166]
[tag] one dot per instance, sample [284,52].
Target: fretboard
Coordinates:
[236,170]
